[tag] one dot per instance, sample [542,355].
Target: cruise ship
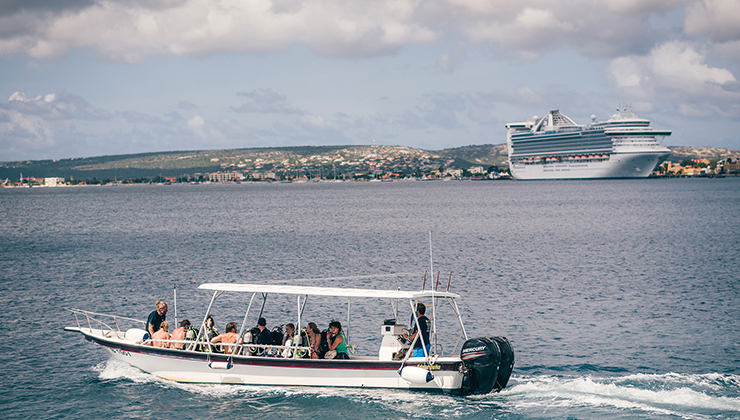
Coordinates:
[555,147]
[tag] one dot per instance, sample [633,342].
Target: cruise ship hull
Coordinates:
[622,165]
[556,147]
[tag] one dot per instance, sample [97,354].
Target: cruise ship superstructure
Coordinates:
[555,147]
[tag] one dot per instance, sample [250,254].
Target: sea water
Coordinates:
[620,297]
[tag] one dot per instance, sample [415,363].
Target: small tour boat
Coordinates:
[483,364]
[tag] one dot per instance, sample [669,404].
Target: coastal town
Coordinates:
[373,165]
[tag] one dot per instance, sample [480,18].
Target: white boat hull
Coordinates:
[199,367]
[618,165]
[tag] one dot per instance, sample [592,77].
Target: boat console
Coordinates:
[393,342]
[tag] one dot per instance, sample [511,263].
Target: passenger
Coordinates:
[314,339]
[288,341]
[180,334]
[289,333]
[419,350]
[155,319]
[211,330]
[263,337]
[229,337]
[337,341]
[160,335]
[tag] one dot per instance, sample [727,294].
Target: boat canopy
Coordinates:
[326,291]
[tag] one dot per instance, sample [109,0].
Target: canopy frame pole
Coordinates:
[454,306]
[297,329]
[418,332]
[349,310]
[175,297]
[216,294]
[264,301]
[244,325]
[434,320]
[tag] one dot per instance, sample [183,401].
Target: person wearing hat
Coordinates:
[264,336]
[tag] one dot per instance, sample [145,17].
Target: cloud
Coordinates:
[266,101]
[15,7]
[718,20]
[643,6]
[186,106]
[132,30]
[196,123]
[129,31]
[675,72]
[63,106]
[530,28]
[140,117]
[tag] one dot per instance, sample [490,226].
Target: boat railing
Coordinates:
[95,318]
[242,349]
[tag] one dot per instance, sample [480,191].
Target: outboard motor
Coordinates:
[488,362]
[507,363]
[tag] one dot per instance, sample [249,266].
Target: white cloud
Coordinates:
[675,72]
[196,123]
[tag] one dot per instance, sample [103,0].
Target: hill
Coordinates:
[342,159]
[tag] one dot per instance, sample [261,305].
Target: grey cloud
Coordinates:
[174,116]
[140,117]
[287,6]
[444,109]
[63,106]
[412,121]
[266,101]
[345,29]
[11,7]
[186,106]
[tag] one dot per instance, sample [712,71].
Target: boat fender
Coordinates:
[416,375]
[220,365]
[135,334]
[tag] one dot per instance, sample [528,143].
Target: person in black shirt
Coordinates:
[264,336]
[154,321]
[423,326]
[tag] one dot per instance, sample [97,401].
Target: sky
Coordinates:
[82,78]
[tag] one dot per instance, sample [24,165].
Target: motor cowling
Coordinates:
[487,366]
[507,363]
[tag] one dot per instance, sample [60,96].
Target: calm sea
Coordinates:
[621,297]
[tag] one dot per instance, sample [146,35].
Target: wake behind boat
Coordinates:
[484,364]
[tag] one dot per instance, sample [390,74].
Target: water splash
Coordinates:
[671,394]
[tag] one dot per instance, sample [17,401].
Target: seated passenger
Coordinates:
[337,341]
[289,333]
[229,337]
[314,339]
[180,334]
[211,330]
[288,340]
[160,335]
